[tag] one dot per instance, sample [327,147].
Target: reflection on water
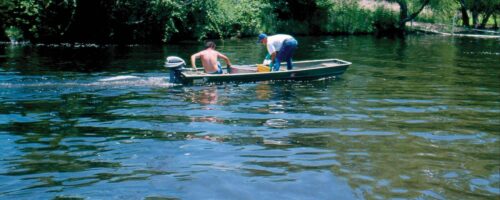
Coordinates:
[205,96]
[263,91]
[415,118]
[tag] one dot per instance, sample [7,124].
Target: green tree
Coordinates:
[463,10]
[37,19]
[202,19]
[5,8]
[54,19]
[405,15]
[20,15]
[486,8]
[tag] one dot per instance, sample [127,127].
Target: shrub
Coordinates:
[384,21]
[346,16]
[14,33]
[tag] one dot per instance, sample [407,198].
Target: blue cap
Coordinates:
[261,37]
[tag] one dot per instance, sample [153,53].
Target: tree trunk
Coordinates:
[403,12]
[465,15]
[475,18]
[485,20]
[403,15]
[71,19]
[495,26]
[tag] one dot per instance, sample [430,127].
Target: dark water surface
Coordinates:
[412,119]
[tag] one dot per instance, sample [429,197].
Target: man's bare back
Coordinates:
[208,58]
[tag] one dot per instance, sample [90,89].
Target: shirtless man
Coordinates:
[208,59]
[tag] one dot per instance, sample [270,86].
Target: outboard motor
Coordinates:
[175,65]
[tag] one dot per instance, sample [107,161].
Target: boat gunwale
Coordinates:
[344,63]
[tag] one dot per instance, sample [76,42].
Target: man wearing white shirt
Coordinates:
[281,48]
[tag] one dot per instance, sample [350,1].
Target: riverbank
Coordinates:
[156,22]
[455,31]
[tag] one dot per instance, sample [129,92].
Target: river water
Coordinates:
[414,119]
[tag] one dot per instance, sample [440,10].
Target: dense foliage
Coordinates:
[151,21]
[125,21]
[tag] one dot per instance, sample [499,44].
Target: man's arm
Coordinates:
[273,56]
[193,60]
[225,58]
[272,51]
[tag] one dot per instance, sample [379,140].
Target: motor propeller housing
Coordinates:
[175,66]
[174,62]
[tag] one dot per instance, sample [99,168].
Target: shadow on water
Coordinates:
[83,58]
[29,60]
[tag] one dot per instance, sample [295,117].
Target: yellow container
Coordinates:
[263,68]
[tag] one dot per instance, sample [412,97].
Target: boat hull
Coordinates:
[303,70]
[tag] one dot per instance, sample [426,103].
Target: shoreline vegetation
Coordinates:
[169,21]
